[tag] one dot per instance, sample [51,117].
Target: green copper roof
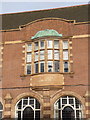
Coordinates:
[45,33]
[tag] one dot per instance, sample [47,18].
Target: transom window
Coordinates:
[1,110]
[47,56]
[27,108]
[68,107]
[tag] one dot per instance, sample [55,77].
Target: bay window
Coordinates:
[47,56]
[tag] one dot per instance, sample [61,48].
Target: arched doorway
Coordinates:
[27,108]
[28,113]
[68,113]
[68,107]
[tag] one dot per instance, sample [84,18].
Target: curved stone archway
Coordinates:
[28,94]
[60,94]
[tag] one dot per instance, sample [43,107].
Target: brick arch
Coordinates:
[59,94]
[31,94]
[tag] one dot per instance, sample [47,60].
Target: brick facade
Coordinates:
[16,85]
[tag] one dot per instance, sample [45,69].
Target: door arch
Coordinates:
[27,107]
[28,113]
[68,113]
[66,104]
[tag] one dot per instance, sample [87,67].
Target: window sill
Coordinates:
[25,75]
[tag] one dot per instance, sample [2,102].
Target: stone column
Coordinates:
[7,107]
[46,104]
[87,104]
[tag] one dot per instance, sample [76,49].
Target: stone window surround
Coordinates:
[61,54]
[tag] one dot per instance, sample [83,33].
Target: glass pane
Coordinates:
[36,45]
[29,57]
[31,102]
[77,103]
[56,54]
[56,44]
[65,44]
[49,44]
[36,67]
[56,66]
[36,56]
[28,69]
[37,105]
[41,66]
[50,66]
[64,101]
[65,66]
[41,44]
[37,115]
[20,104]
[70,101]
[65,55]
[29,47]
[25,102]
[41,55]
[50,54]
[1,107]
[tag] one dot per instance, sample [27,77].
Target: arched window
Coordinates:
[27,107]
[1,110]
[68,107]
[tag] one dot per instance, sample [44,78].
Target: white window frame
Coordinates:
[62,106]
[27,105]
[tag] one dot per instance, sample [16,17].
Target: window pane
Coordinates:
[65,44]
[1,107]
[29,57]
[41,44]
[41,55]
[65,66]
[56,44]
[56,54]
[28,69]
[41,66]
[50,66]
[29,47]
[36,56]
[56,66]
[50,54]
[49,44]
[65,55]
[36,45]
[36,68]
